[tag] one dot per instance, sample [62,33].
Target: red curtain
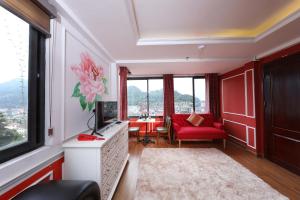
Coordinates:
[168,95]
[212,94]
[123,72]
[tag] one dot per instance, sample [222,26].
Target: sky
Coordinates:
[181,85]
[14,46]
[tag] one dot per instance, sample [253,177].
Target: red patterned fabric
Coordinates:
[195,119]
[168,95]
[123,72]
[208,129]
[212,94]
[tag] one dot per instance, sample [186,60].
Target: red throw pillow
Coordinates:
[195,119]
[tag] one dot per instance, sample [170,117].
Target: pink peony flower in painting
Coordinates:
[92,83]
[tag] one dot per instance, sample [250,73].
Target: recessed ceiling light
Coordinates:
[201,46]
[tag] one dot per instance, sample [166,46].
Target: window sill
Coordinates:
[14,171]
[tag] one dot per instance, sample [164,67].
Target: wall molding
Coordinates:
[277,26]
[171,60]
[55,156]
[196,41]
[278,48]
[254,137]
[244,74]
[223,109]
[203,40]
[49,174]
[133,19]
[246,91]
[253,93]
[247,133]
[72,17]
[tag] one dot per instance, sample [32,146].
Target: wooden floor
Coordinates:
[280,179]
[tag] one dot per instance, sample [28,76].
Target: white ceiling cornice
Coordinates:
[189,60]
[132,17]
[278,26]
[278,48]
[201,40]
[72,17]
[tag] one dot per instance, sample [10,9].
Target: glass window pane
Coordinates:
[14,50]
[199,86]
[137,97]
[183,95]
[156,97]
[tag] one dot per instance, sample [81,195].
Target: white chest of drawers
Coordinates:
[102,160]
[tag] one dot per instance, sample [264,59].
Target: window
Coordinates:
[22,64]
[199,88]
[137,97]
[156,97]
[189,94]
[183,95]
[145,96]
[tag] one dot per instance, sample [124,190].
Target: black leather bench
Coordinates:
[61,190]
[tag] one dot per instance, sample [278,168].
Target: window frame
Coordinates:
[193,87]
[146,79]
[36,98]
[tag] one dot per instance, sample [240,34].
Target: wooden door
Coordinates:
[282,111]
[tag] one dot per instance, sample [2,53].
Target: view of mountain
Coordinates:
[11,94]
[135,96]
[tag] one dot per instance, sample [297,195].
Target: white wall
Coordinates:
[68,119]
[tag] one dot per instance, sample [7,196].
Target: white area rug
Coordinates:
[188,174]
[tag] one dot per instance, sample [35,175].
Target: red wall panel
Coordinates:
[234,94]
[240,119]
[250,94]
[237,100]
[255,116]
[55,169]
[238,131]
[251,138]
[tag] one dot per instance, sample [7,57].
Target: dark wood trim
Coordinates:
[258,80]
[259,109]
[29,12]
[259,96]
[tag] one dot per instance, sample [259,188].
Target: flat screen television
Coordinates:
[106,113]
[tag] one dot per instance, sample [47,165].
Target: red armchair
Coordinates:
[209,129]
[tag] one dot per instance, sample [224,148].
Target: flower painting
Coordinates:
[92,84]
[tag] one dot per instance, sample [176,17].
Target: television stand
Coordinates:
[102,161]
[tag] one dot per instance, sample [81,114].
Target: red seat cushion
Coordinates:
[208,120]
[200,133]
[181,120]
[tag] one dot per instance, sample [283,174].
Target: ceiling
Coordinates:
[157,36]
[194,18]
